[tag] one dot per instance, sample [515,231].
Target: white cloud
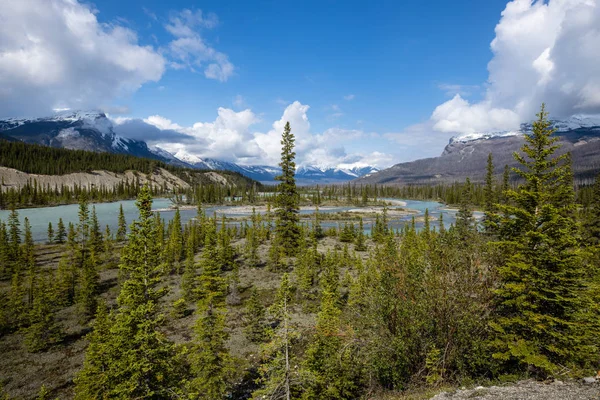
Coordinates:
[230,137]
[543,52]
[55,54]
[189,49]
[239,101]
[349,97]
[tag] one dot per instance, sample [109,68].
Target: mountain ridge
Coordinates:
[466,155]
[94,131]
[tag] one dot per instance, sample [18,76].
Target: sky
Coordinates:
[361,83]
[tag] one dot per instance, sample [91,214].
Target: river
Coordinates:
[108,214]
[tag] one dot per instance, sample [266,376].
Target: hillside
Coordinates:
[56,166]
[467,156]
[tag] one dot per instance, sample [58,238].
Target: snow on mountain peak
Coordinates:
[574,122]
[187,157]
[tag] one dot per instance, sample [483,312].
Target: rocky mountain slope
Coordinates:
[93,131]
[466,156]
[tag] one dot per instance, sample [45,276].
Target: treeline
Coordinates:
[515,295]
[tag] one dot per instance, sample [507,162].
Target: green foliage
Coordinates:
[286,228]
[142,362]
[543,304]
[255,318]
[43,331]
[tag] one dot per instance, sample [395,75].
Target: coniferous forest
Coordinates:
[275,308]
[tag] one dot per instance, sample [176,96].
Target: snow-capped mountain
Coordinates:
[93,131]
[267,174]
[76,130]
[466,155]
[573,123]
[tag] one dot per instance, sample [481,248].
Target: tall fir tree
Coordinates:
[142,362]
[122,225]
[61,232]
[287,219]
[544,311]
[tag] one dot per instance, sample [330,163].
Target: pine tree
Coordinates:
[286,228]
[360,243]
[543,306]
[490,219]
[210,362]
[14,238]
[464,216]
[92,382]
[28,261]
[50,233]
[142,362]
[44,331]
[61,233]
[278,379]
[122,228]
[95,240]
[87,294]
[255,318]
[592,223]
[176,239]
[188,279]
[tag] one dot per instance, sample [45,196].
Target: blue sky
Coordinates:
[362,82]
[392,56]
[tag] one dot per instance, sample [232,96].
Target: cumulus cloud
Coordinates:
[543,52]
[190,50]
[231,137]
[55,54]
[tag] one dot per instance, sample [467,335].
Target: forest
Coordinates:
[274,308]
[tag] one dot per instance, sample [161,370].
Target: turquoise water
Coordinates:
[108,214]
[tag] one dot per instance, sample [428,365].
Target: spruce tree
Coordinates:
[255,318]
[122,227]
[50,233]
[592,223]
[277,377]
[287,200]
[61,233]
[210,362]
[543,305]
[464,216]
[43,330]
[92,382]
[142,362]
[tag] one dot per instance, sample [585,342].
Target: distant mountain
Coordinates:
[93,131]
[466,155]
[76,130]
[305,175]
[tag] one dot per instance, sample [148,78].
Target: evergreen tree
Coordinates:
[142,362]
[96,244]
[543,307]
[61,233]
[210,362]
[122,227]
[255,318]
[592,223]
[278,379]
[286,228]
[50,233]
[44,331]
[92,382]
[360,244]
[14,237]
[464,216]
[490,220]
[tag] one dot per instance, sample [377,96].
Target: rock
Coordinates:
[589,380]
[558,383]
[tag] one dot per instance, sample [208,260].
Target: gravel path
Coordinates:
[529,390]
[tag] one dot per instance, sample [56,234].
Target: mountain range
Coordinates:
[94,131]
[466,155]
